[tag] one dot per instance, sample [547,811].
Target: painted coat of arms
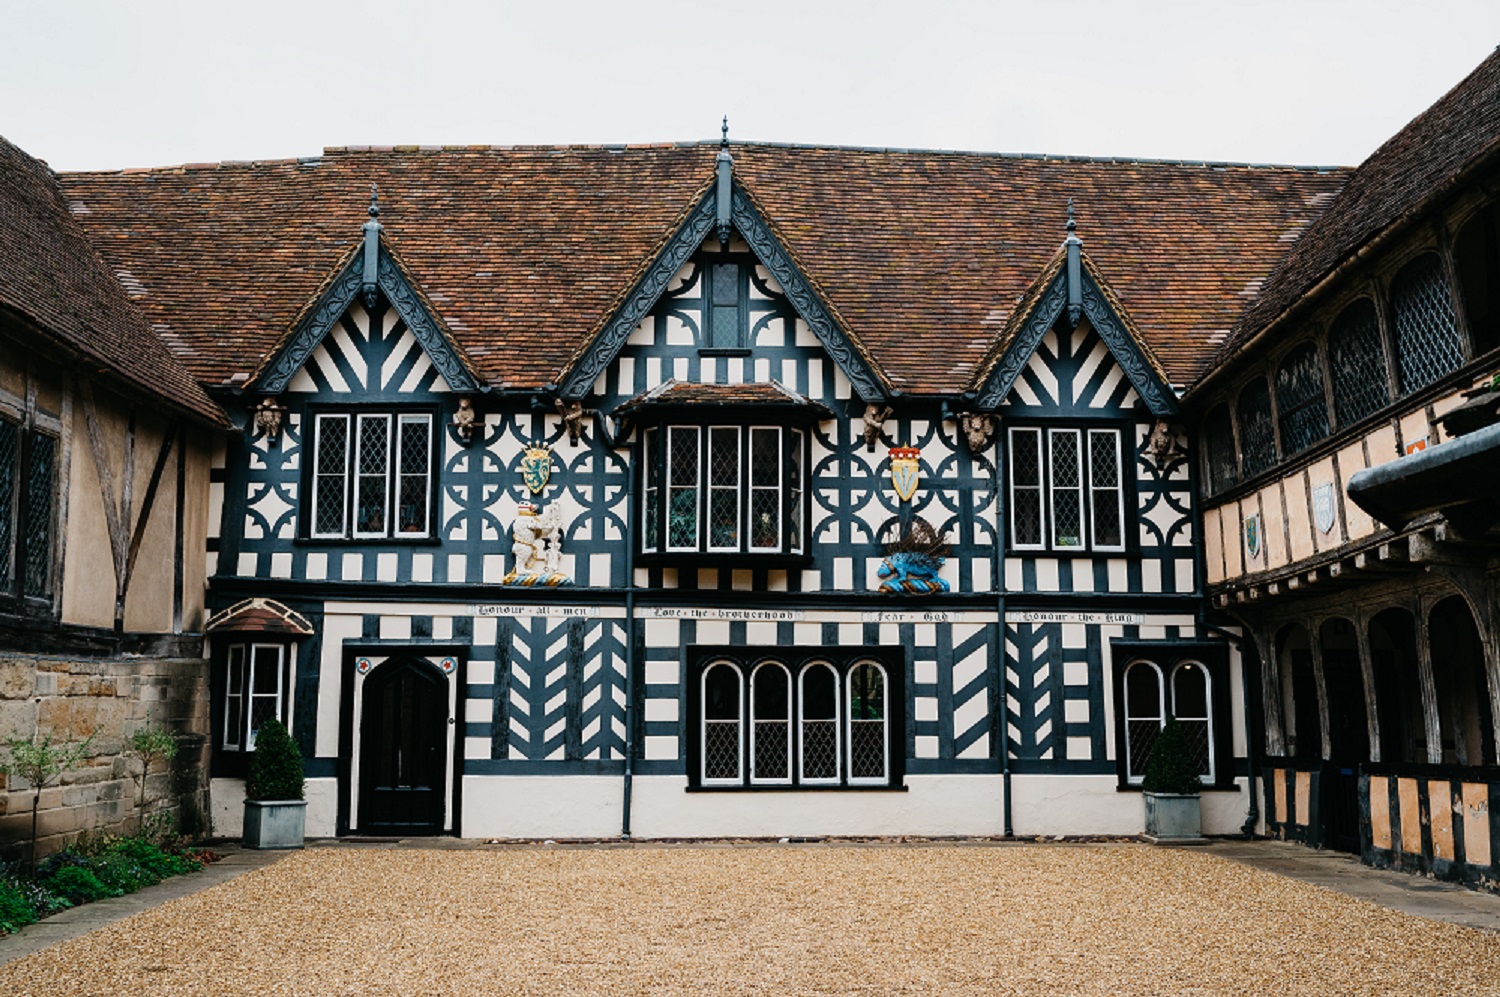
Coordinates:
[1253,535]
[906,470]
[536,466]
[1322,503]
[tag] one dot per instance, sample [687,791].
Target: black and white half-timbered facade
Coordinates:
[721,489]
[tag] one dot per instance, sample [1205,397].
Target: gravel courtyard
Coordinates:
[835,919]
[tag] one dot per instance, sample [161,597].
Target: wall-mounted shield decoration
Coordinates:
[536,466]
[906,470]
[1323,511]
[1252,535]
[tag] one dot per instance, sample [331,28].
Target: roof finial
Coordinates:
[724,197]
[375,201]
[1072,225]
[724,141]
[1075,269]
[371,229]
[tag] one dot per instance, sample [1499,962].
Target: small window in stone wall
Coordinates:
[1257,434]
[1218,434]
[1427,341]
[1300,402]
[1357,359]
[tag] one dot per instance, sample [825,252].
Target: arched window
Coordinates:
[1300,401]
[771,723]
[1257,436]
[820,723]
[1218,435]
[1190,699]
[1476,253]
[1144,716]
[722,734]
[1459,679]
[1427,342]
[868,731]
[1357,359]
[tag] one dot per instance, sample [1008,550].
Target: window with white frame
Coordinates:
[722,490]
[1152,690]
[371,475]
[1067,489]
[793,717]
[255,680]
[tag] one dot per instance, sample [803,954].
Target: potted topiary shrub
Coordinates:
[1170,789]
[275,811]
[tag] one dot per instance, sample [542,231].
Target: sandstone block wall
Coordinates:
[108,698]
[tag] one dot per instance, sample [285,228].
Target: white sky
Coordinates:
[89,84]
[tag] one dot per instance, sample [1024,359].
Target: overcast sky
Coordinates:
[87,84]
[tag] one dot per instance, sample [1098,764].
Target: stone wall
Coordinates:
[108,698]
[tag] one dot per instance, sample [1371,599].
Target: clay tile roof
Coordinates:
[52,277]
[1416,167]
[524,253]
[674,393]
[261,616]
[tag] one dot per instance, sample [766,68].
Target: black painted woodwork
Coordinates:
[403,766]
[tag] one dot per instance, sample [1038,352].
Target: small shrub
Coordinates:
[275,765]
[1173,768]
[16,910]
[79,885]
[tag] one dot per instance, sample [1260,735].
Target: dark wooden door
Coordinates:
[403,736]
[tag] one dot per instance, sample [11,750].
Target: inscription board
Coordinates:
[522,610]
[1118,619]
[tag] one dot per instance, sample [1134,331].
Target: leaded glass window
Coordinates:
[1152,695]
[1427,340]
[1218,435]
[10,446]
[788,717]
[1257,434]
[1070,495]
[371,475]
[1190,699]
[40,487]
[1301,403]
[724,489]
[724,306]
[28,495]
[254,689]
[1143,716]
[771,723]
[1357,358]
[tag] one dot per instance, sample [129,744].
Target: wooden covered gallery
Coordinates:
[747,489]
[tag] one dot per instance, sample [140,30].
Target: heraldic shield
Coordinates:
[536,466]
[905,471]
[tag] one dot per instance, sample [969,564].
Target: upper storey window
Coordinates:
[1257,433]
[371,475]
[723,489]
[1360,387]
[1427,341]
[28,474]
[1218,431]
[723,315]
[1299,399]
[1066,489]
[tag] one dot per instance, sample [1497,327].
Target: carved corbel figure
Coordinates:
[572,413]
[1162,443]
[979,429]
[464,420]
[875,417]
[268,416]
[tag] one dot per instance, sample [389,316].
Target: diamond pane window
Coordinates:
[724,488]
[724,307]
[414,485]
[651,514]
[765,489]
[377,465]
[1026,487]
[372,480]
[1257,435]
[329,477]
[41,486]
[682,489]
[722,698]
[771,723]
[1154,693]
[1218,436]
[867,726]
[9,458]
[1427,341]
[1106,489]
[1301,403]
[1067,488]
[820,725]
[1143,716]
[1190,698]
[794,489]
[1357,361]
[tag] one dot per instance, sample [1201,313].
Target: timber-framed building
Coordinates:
[749,489]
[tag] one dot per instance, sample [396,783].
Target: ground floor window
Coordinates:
[254,686]
[1154,683]
[795,717]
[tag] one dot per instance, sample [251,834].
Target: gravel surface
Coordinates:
[829,919]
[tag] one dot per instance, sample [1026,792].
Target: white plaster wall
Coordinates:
[543,806]
[322,807]
[1091,804]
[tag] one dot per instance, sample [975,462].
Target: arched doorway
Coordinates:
[1299,695]
[1398,688]
[403,737]
[1458,675]
[1348,734]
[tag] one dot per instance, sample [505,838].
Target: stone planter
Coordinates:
[1173,818]
[274,823]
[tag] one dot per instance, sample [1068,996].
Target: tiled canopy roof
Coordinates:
[524,253]
[685,393]
[1409,172]
[53,278]
[262,616]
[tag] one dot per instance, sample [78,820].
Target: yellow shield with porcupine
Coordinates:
[536,466]
[906,467]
